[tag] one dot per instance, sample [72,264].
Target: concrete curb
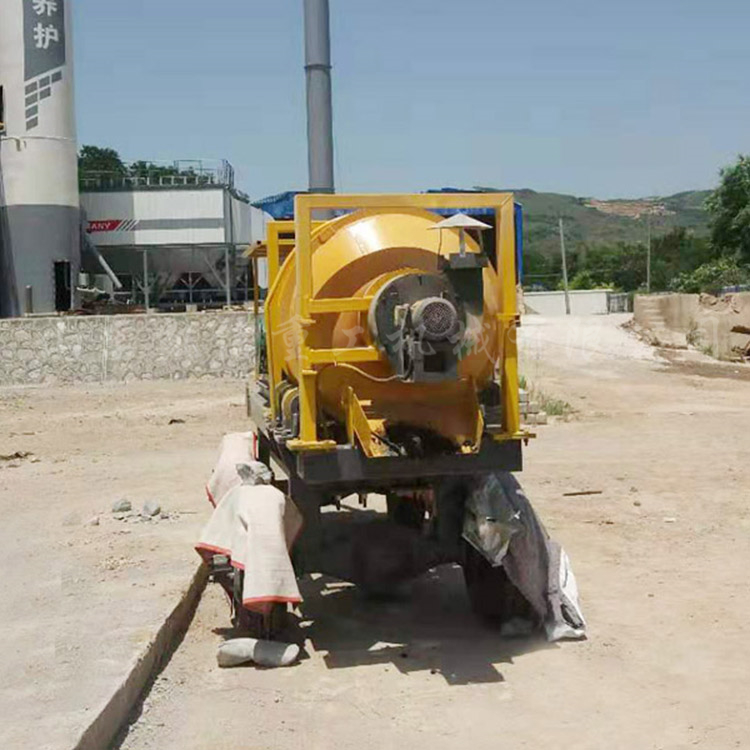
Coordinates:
[115,712]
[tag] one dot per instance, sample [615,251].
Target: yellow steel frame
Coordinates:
[307,306]
[358,426]
[275,242]
[272,250]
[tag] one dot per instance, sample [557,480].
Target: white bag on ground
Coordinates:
[264,653]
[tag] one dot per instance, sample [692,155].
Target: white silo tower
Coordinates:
[39,203]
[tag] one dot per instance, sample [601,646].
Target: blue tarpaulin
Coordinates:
[279,206]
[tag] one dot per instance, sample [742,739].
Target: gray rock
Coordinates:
[92,521]
[122,506]
[151,508]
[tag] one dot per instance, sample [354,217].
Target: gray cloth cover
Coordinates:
[501,524]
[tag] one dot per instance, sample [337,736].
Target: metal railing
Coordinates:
[181,173]
[619,302]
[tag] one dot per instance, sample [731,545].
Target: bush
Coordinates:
[711,277]
[588,280]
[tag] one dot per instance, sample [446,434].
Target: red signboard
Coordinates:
[104,225]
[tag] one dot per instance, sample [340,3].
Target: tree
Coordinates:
[677,252]
[729,206]
[621,266]
[96,159]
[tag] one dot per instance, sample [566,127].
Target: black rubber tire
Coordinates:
[492,595]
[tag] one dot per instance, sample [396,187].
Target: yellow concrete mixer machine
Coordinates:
[387,357]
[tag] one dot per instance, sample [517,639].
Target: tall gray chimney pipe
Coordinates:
[319,107]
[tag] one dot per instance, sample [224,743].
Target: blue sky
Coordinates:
[585,97]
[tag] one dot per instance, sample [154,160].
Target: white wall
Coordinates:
[155,217]
[171,217]
[582,302]
[248,223]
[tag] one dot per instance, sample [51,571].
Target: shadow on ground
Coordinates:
[430,626]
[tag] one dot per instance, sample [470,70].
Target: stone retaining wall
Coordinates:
[704,321]
[93,349]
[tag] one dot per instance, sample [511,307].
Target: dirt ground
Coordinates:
[660,555]
[83,592]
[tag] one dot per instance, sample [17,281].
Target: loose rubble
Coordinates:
[151,512]
[122,506]
[531,414]
[151,508]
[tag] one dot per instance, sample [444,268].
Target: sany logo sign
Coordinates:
[112,225]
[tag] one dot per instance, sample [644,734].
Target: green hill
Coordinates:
[590,222]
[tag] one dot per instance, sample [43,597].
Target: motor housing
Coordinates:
[419,322]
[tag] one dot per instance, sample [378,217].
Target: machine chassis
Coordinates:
[346,468]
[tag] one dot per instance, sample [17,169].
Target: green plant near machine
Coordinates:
[555,407]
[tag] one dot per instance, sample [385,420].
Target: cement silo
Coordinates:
[39,205]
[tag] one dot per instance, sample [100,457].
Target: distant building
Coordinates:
[171,233]
[154,233]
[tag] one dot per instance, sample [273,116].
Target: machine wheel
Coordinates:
[405,511]
[492,595]
[254,624]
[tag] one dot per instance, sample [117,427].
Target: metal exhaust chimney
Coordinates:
[319,108]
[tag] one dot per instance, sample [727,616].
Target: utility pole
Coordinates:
[648,253]
[564,267]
